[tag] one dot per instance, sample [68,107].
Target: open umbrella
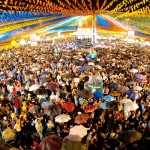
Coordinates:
[126,100]
[132,94]
[69,106]
[130,106]
[45,104]
[108,98]
[91,64]
[97,94]
[103,106]
[79,130]
[81,59]
[49,111]
[34,87]
[122,89]
[114,85]
[114,106]
[133,70]
[97,85]
[131,83]
[8,134]
[73,145]
[84,93]
[81,68]
[92,56]
[50,143]
[52,110]
[130,136]
[138,88]
[62,118]
[51,85]
[139,76]
[90,108]
[72,137]
[81,118]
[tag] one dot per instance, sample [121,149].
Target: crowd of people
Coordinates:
[37,84]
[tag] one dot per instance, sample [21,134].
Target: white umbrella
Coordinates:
[126,100]
[130,106]
[62,118]
[76,80]
[133,70]
[79,130]
[91,64]
[82,59]
[34,69]
[138,88]
[34,87]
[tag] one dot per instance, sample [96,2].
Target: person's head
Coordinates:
[38,121]
[5,118]
[94,130]
[65,126]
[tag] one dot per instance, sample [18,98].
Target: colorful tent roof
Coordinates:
[21,18]
[78,7]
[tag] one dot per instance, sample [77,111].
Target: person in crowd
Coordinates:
[37,82]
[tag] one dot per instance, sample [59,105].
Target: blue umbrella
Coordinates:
[97,94]
[139,76]
[2,77]
[81,69]
[131,83]
[103,106]
[91,56]
[132,94]
[11,74]
[114,86]
[108,98]
[45,104]
[81,100]
[54,64]
[45,96]
[66,61]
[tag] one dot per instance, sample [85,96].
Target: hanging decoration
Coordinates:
[77,7]
[18,17]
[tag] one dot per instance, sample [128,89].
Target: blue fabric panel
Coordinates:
[102,22]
